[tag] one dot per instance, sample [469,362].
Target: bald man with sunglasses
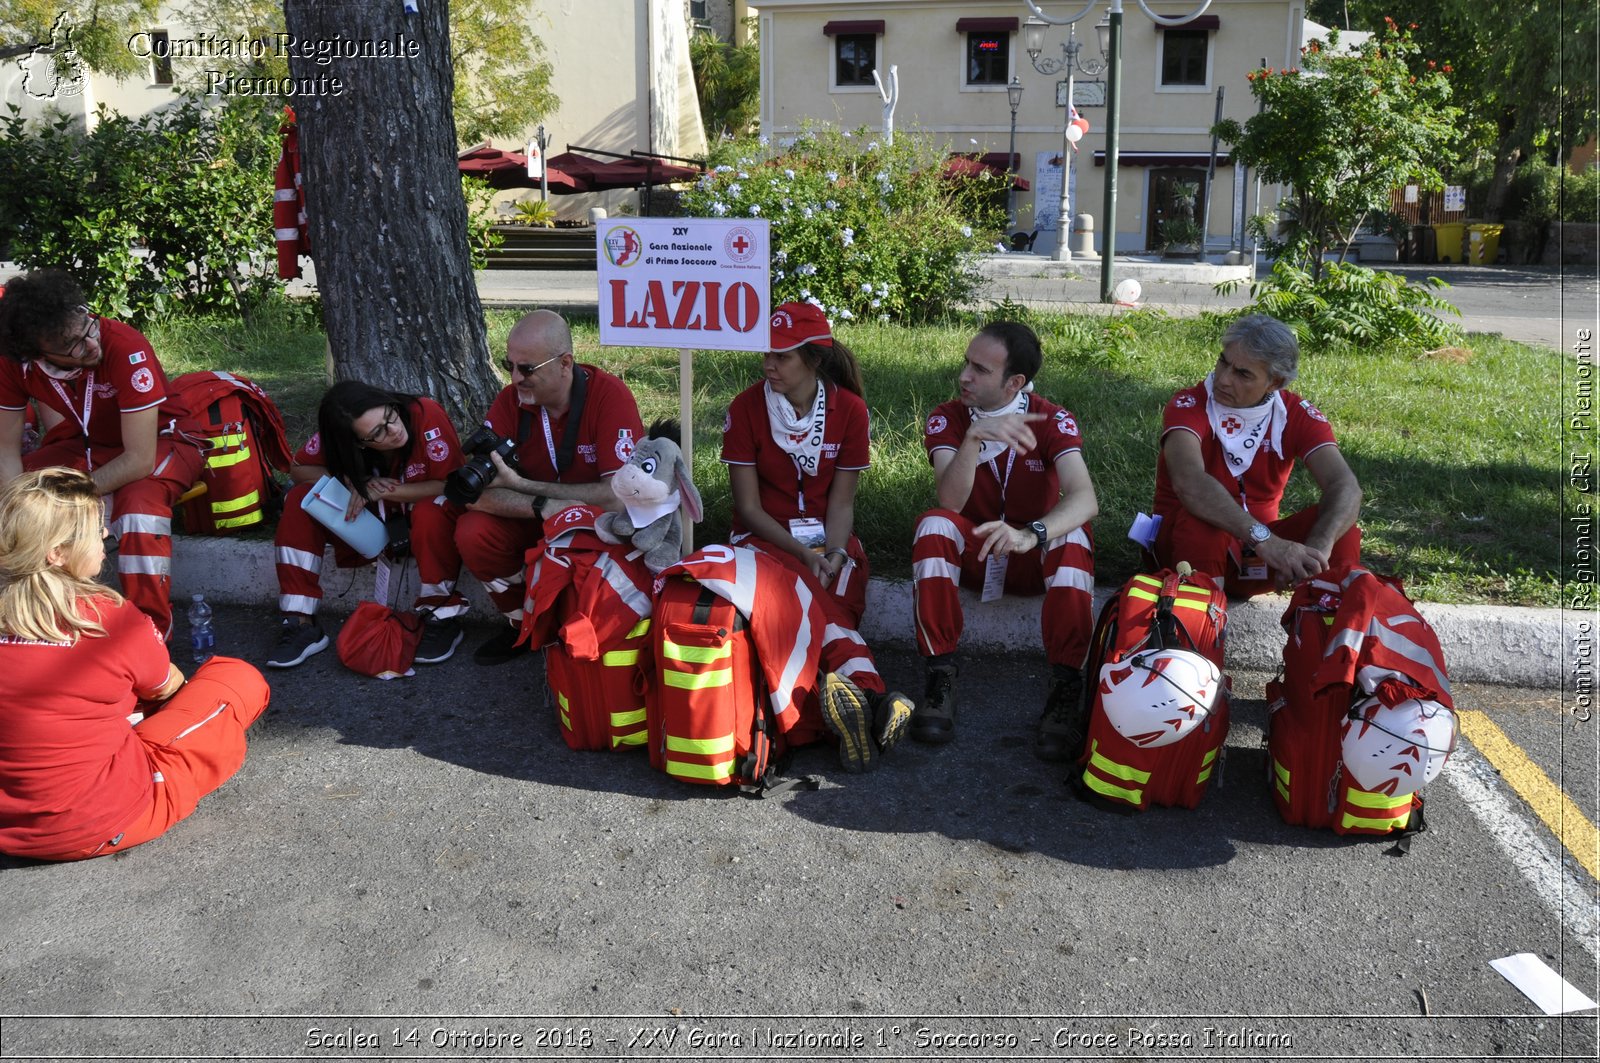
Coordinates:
[574,425]
[104,409]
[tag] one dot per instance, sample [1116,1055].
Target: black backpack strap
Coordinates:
[569,437]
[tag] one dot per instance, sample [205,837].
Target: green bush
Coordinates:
[863,229]
[169,212]
[1352,306]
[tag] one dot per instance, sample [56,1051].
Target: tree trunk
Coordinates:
[1505,171]
[385,215]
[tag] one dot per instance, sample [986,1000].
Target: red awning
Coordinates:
[509,169]
[986,25]
[845,28]
[959,166]
[1164,158]
[598,175]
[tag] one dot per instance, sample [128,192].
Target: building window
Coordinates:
[855,57]
[1183,56]
[988,58]
[160,58]
[697,10]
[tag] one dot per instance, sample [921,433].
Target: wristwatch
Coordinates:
[1038,528]
[1259,533]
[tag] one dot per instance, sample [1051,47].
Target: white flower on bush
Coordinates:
[876,302]
[883,290]
[844,314]
[883,317]
[755,210]
[866,287]
[778,274]
[780,256]
[832,204]
[832,176]
[807,270]
[765,140]
[735,189]
[704,182]
[872,146]
[722,169]
[814,301]
[719,208]
[966,230]
[807,212]
[999,245]
[787,173]
[743,176]
[847,236]
[805,293]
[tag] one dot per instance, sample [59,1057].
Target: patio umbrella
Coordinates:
[509,169]
[598,175]
[965,166]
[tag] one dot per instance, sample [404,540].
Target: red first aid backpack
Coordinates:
[1340,625]
[378,641]
[600,700]
[1162,611]
[709,721]
[240,433]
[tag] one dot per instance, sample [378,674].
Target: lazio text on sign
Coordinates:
[692,306]
[691,283]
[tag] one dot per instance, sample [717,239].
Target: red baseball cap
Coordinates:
[797,324]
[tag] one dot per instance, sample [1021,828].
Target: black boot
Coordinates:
[1062,726]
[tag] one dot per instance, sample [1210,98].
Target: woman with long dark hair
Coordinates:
[393,452]
[795,445]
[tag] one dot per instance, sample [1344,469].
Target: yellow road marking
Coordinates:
[1547,800]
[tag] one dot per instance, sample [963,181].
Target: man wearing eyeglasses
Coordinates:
[573,425]
[102,401]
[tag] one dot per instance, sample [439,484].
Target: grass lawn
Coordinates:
[1460,461]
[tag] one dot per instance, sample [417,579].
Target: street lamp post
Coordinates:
[1014,95]
[1070,63]
[1111,49]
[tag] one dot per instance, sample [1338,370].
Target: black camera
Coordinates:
[466,484]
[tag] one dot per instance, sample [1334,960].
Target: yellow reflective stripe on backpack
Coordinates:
[629,716]
[1280,779]
[1094,782]
[619,658]
[705,747]
[1207,765]
[709,772]
[233,505]
[222,461]
[638,629]
[1113,769]
[692,681]
[673,651]
[1367,799]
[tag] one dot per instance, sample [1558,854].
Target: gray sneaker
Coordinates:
[296,642]
[439,639]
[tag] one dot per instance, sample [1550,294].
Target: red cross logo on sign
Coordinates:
[740,244]
[1231,425]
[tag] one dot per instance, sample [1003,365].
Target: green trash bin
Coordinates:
[1483,243]
[1449,236]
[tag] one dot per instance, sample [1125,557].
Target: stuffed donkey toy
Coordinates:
[651,487]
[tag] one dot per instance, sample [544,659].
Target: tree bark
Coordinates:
[384,210]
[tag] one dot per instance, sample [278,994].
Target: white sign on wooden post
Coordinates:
[690,283]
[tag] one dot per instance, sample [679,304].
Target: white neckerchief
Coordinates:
[988,449]
[55,372]
[1241,432]
[798,435]
[642,516]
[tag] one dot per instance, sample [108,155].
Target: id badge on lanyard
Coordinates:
[83,419]
[994,568]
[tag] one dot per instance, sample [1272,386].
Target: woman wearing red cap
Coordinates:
[795,445]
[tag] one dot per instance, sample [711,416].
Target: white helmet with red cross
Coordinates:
[1155,697]
[1397,750]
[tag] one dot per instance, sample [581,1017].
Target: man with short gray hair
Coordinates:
[1228,445]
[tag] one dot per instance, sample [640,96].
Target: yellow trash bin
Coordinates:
[1483,243]
[1449,236]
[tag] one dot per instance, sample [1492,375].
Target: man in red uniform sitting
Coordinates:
[103,406]
[574,426]
[1228,445]
[1015,501]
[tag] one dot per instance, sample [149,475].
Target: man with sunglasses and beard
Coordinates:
[574,425]
[104,409]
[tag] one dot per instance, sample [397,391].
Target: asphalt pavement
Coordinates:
[426,855]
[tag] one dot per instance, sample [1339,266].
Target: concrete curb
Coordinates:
[1484,644]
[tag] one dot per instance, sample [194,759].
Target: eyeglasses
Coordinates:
[384,428]
[91,331]
[524,368]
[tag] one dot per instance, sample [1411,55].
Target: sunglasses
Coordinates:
[524,368]
[384,428]
[91,330]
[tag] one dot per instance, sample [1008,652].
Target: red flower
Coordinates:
[1413,25]
[1448,69]
[1432,64]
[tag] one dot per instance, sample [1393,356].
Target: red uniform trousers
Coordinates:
[301,539]
[141,515]
[844,651]
[1184,537]
[945,552]
[195,743]
[494,550]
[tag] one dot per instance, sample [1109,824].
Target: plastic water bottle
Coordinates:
[201,634]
